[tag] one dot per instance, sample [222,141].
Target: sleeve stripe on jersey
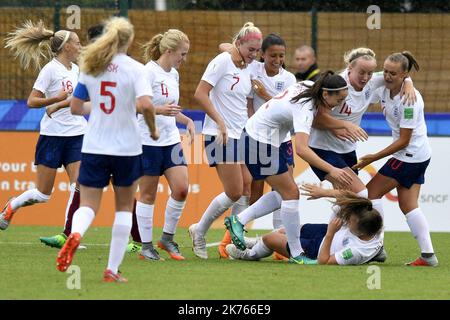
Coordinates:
[81,92]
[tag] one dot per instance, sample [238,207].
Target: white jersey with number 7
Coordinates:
[229,95]
[112,127]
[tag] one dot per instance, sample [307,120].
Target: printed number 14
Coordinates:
[346,109]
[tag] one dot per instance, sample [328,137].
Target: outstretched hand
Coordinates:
[364,161]
[312,191]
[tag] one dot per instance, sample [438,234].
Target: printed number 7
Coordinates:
[237,81]
[105,92]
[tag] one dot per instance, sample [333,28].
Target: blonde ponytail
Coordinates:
[33,44]
[96,57]
[248,32]
[160,43]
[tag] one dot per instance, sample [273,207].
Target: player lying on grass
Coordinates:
[353,236]
[294,109]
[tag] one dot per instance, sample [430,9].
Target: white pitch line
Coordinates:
[38,243]
[214,244]
[208,245]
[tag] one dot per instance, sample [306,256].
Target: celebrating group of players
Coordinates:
[253,110]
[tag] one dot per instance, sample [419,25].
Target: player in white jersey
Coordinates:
[57,241]
[352,237]
[340,149]
[222,94]
[269,78]
[294,109]
[410,153]
[164,53]
[61,133]
[117,87]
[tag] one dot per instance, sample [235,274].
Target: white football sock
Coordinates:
[259,251]
[377,204]
[363,193]
[82,219]
[216,208]
[240,205]
[419,227]
[119,240]
[144,217]
[334,211]
[266,204]
[174,209]
[69,201]
[277,222]
[291,222]
[29,198]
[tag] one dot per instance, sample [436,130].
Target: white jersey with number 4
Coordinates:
[113,128]
[348,249]
[351,109]
[399,115]
[53,78]
[231,86]
[273,121]
[166,89]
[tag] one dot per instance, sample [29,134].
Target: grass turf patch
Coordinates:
[28,271]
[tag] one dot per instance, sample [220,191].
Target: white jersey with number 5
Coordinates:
[351,109]
[165,88]
[399,115]
[53,78]
[273,121]
[231,86]
[112,128]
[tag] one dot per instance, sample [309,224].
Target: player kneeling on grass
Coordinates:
[353,237]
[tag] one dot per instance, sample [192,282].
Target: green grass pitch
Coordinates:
[28,271]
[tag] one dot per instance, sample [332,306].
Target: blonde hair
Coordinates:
[248,29]
[350,57]
[96,57]
[33,44]
[160,43]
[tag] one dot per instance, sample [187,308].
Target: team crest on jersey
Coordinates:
[345,241]
[279,85]
[367,94]
[395,111]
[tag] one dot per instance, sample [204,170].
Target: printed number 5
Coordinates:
[237,81]
[105,92]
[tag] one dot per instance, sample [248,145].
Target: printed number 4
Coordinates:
[164,90]
[346,109]
[237,81]
[105,92]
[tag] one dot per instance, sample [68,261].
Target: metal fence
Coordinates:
[427,35]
